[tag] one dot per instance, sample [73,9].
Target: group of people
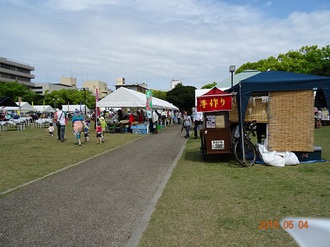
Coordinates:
[188,121]
[79,124]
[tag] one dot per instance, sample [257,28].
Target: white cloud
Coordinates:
[153,41]
[81,5]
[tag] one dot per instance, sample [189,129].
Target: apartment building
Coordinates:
[11,71]
[120,82]
[101,87]
[65,83]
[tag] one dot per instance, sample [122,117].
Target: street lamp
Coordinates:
[232,70]
[85,99]
[55,100]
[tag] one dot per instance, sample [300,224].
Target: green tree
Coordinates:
[159,94]
[70,96]
[210,85]
[14,90]
[182,97]
[306,60]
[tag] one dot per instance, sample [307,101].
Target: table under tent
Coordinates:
[132,101]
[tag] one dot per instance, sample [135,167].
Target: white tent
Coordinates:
[10,108]
[43,108]
[72,108]
[162,104]
[25,107]
[124,97]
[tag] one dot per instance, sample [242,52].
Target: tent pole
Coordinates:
[241,121]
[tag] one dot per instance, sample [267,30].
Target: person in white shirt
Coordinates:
[61,122]
[155,119]
[179,116]
[198,119]
[51,129]
[187,123]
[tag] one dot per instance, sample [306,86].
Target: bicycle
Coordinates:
[249,148]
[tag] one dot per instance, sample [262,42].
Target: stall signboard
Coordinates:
[214,100]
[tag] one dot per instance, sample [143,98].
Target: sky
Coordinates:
[155,41]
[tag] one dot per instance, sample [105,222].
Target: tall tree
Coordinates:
[210,85]
[182,97]
[14,90]
[159,94]
[71,96]
[306,60]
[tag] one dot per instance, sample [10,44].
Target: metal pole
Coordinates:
[232,70]
[241,121]
[85,99]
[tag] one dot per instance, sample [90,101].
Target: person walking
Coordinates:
[60,123]
[99,133]
[187,123]
[51,129]
[86,130]
[198,118]
[78,125]
[104,127]
[179,116]
[155,119]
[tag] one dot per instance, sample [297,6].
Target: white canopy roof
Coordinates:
[25,107]
[43,108]
[124,97]
[72,108]
[163,104]
[10,108]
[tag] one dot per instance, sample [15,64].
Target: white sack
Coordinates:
[271,158]
[291,159]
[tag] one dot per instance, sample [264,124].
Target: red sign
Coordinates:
[214,100]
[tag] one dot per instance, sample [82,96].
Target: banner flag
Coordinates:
[97,109]
[149,103]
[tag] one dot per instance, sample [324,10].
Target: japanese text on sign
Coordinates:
[215,103]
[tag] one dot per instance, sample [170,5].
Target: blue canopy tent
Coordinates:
[270,81]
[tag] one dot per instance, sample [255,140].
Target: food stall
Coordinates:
[215,134]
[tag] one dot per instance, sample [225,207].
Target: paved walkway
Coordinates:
[104,201]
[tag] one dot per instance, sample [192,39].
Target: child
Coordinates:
[86,130]
[99,133]
[104,126]
[51,129]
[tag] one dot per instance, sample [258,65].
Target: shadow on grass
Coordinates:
[214,159]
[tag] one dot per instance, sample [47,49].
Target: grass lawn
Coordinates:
[205,203]
[217,203]
[31,154]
